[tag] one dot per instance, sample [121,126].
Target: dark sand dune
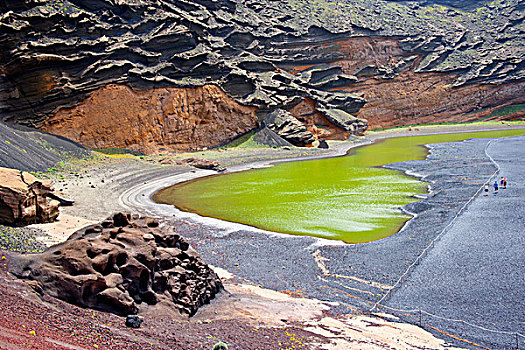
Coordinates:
[31,150]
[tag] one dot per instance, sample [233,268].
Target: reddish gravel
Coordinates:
[30,321]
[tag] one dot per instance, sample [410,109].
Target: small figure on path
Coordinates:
[495,186]
[504,182]
[486,190]
[501,182]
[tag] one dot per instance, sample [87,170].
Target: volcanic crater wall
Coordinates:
[160,119]
[398,95]
[391,63]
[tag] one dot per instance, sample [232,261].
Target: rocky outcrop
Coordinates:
[123,265]
[203,164]
[316,121]
[346,121]
[289,128]
[158,120]
[24,199]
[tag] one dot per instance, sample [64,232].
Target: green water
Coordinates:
[346,198]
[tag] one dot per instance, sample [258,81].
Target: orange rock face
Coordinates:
[157,120]
[413,98]
[396,95]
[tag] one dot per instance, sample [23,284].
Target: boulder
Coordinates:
[345,120]
[134,321]
[123,265]
[323,144]
[284,124]
[24,199]
[203,164]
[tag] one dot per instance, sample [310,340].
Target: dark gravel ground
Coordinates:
[356,276]
[475,270]
[31,150]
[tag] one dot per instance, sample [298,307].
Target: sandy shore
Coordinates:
[264,269]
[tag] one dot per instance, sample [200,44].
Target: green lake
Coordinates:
[349,198]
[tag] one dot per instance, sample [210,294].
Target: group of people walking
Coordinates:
[502,184]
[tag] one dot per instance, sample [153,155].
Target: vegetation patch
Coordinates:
[114,151]
[20,240]
[508,110]
[244,141]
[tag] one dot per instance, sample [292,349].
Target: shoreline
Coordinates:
[280,262]
[140,197]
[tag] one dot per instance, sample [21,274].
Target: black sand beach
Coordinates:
[474,272]
[357,276]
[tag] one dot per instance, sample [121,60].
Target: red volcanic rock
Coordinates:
[396,95]
[161,119]
[412,98]
[123,265]
[24,199]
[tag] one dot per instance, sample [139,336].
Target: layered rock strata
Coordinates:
[284,124]
[398,94]
[123,265]
[410,60]
[24,199]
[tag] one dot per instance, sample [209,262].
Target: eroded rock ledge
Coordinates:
[409,61]
[123,265]
[24,199]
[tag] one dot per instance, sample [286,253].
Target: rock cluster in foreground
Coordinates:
[24,199]
[123,265]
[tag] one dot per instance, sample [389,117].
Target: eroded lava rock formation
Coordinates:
[24,199]
[188,74]
[124,265]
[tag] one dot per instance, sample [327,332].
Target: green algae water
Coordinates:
[349,198]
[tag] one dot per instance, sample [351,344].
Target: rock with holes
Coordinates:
[123,265]
[24,199]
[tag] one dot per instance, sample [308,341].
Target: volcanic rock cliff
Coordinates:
[179,74]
